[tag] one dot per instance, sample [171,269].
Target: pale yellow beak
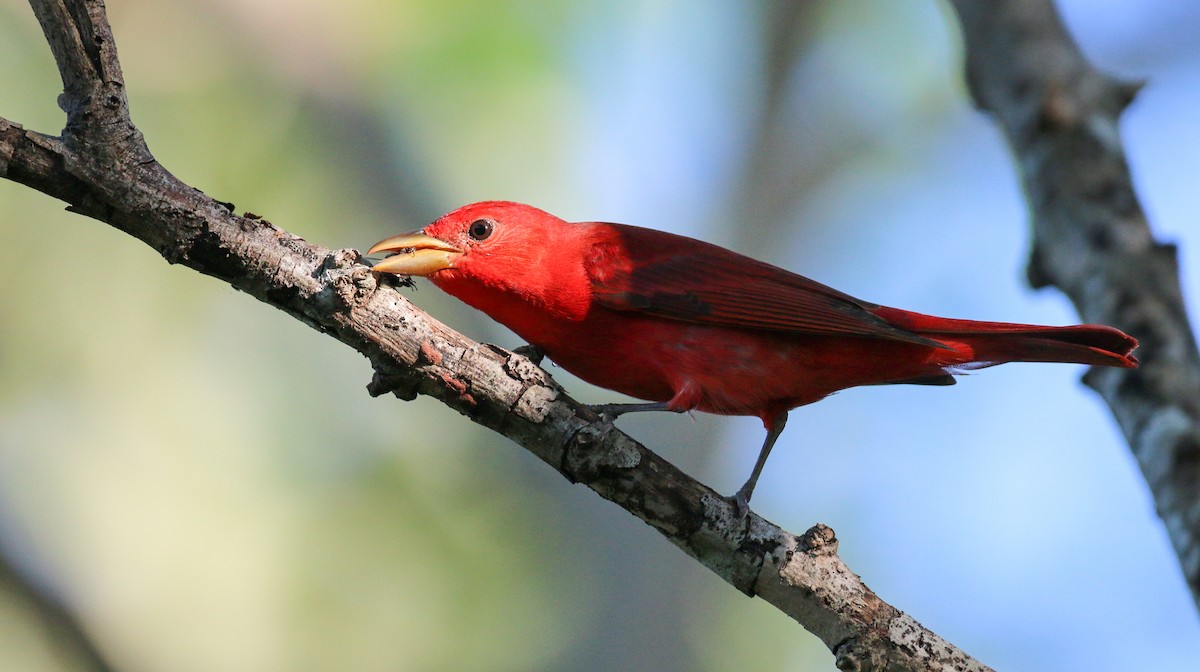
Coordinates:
[414,254]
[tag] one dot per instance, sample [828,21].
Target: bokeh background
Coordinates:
[208,486]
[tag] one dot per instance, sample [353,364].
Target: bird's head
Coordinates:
[481,239]
[489,250]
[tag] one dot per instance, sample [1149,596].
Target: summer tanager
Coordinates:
[690,325]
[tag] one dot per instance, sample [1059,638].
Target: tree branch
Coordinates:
[1091,238]
[102,168]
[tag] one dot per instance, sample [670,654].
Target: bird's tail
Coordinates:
[999,342]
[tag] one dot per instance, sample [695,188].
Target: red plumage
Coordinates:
[671,319]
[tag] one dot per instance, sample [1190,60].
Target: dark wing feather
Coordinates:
[662,274]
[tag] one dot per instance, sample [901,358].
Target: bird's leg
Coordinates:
[742,499]
[610,412]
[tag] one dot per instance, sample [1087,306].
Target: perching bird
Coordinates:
[688,325]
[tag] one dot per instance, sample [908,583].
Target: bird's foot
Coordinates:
[613,411]
[605,411]
[531,352]
[741,505]
[606,414]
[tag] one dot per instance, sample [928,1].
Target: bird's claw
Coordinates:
[607,412]
[530,352]
[607,418]
[741,505]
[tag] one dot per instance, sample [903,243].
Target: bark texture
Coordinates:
[101,166]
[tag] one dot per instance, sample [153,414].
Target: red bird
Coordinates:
[689,325]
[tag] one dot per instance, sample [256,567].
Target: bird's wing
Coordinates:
[662,274]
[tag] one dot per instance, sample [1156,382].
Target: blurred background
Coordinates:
[206,484]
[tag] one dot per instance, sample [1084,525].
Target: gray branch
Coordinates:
[102,168]
[1091,238]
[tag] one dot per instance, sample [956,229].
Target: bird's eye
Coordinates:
[481,229]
